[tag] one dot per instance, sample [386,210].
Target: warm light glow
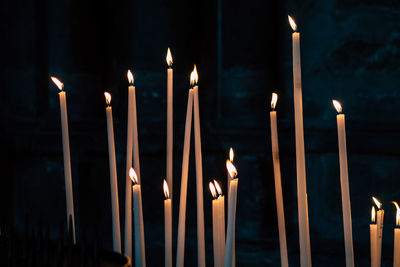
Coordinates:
[169,58]
[274,100]
[373,214]
[292,23]
[231,155]
[212,189]
[130,77]
[133,176]
[57,82]
[194,77]
[377,203]
[231,169]
[337,106]
[397,213]
[218,188]
[108,97]
[166,190]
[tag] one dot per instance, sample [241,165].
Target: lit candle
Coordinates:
[113,176]
[67,159]
[128,188]
[180,251]
[344,183]
[379,224]
[201,254]
[302,206]
[219,233]
[396,245]
[373,232]
[169,121]
[230,238]
[278,184]
[136,161]
[231,156]
[140,258]
[215,224]
[167,226]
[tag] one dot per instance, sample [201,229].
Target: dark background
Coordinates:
[350,52]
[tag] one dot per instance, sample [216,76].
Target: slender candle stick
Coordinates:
[304,231]
[113,176]
[67,158]
[373,230]
[136,162]
[201,254]
[140,258]
[220,207]
[231,156]
[128,188]
[167,226]
[278,184]
[180,252]
[344,183]
[379,223]
[230,241]
[396,244]
[215,224]
[170,121]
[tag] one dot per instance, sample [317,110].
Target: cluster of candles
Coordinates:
[223,245]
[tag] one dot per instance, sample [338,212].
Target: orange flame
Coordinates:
[133,176]
[231,155]
[212,189]
[130,77]
[169,58]
[231,169]
[166,190]
[377,203]
[337,106]
[373,214]
[397,213]
[194,77]
[108,97]
[292,23]
[57,82]
[274,100]
[218,188]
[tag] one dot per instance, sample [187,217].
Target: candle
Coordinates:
[344,183]
[231,156]
[396,245]
[373,230]
[201,255]
[113,176]
[169,121]
[167,226]
[180,251]
[136,164]
[128,188]
[278,184]
[140,259]
[302,206]
[218,211]
[215,224]
[230,241]
[379,224]
[67,159]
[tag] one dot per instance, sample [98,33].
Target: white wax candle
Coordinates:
[215,230]
[231,224]
[396,244]
[379,223]
[128,188]
[278,185]
[67,158]
[344,183]
[201,255]
[220,224]
[167,226]
[180,251]
[136,162]
[170,122]
[304,237]
[113,177]
[373,239]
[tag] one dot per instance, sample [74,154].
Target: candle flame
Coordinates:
[166,190]
[212,189]
[377,203]
[218,188]
[108,98]
[397,213]
[231,155]
[274,100]
[337,106]
[133,176]
[169,58]
[373,214]
[57,82]
[130,77]
[194,77]
[292,23]
[231,169]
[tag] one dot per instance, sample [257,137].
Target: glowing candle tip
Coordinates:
[166,189]
[57,82]
[377,203]
[337,106]
[292,23]
[373,214]
[212,190]
[169,58]
[194,77]
[231,169]
[133,176]
[231,155]
[274,99]
[108,98]
[130,77]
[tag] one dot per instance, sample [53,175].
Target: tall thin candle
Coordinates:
[167,226]
[379,223]
[113,176]
[67,158]
[302,206]
[396,244]
[170,121]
